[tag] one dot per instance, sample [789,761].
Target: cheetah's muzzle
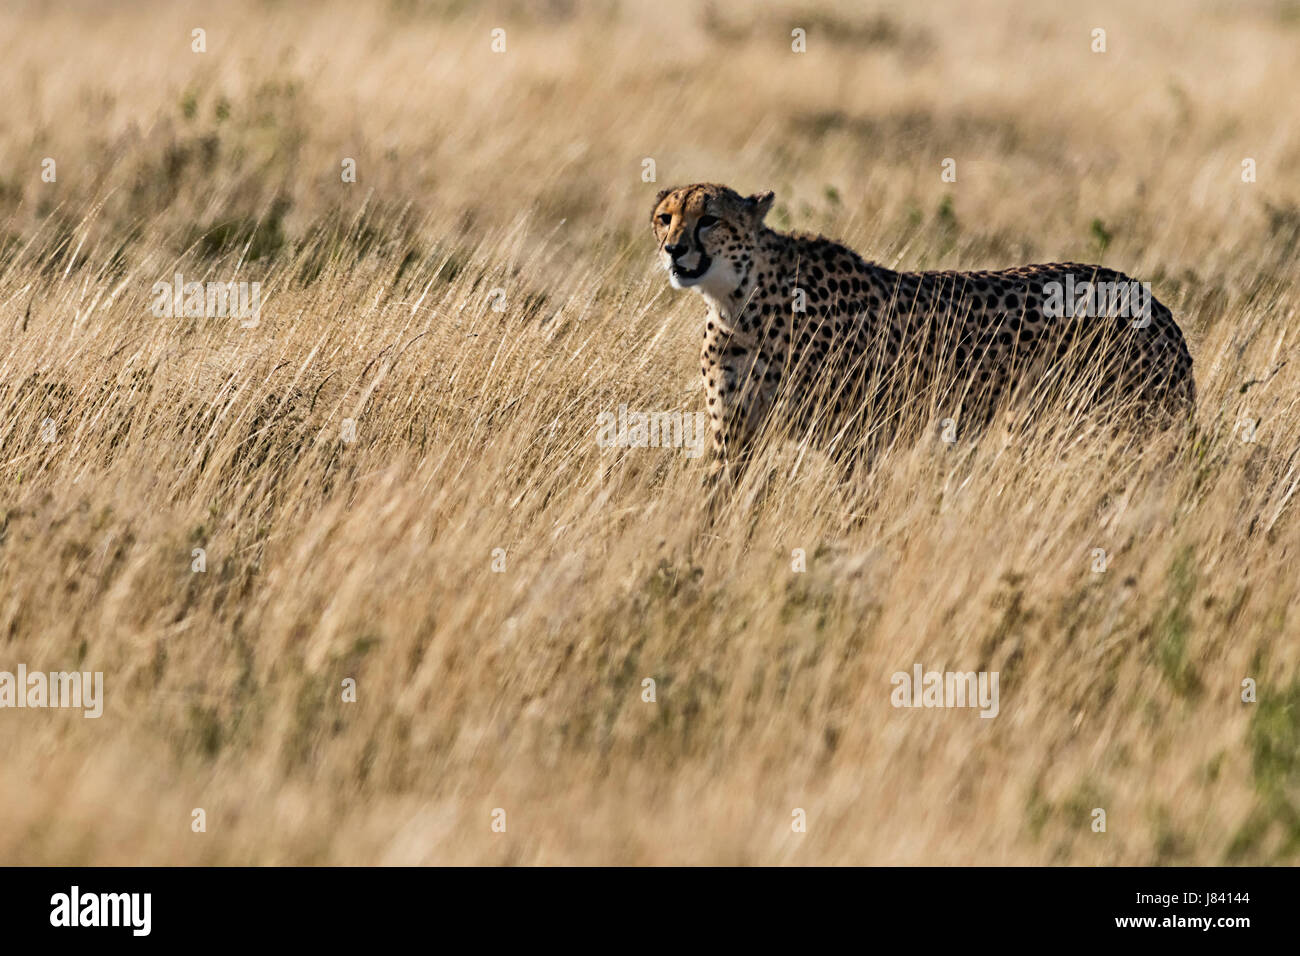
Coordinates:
[679,273]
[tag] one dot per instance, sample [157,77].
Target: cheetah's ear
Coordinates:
[658,200]
[760,203]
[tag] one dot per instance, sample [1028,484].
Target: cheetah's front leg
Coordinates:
[734,414]
[737,401]
[725,469]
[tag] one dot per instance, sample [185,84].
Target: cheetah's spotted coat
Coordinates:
[806,324]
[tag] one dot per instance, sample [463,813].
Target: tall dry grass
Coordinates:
[476,430]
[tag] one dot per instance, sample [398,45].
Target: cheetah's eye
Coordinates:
[707,221]
[666,218]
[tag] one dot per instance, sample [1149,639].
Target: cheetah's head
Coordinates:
[707,236]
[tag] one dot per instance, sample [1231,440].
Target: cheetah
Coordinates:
[802,323]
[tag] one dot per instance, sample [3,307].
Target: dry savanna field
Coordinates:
[389,486]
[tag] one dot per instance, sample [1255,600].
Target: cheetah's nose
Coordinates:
[676,249]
